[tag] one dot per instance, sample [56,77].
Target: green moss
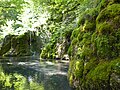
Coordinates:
[114,2]
[46,52]
[105,28]
[116,22]
[101,72]
[14,42]
[80,36]
[88,15]
[97,43]
[6,44]
[68,33]
[109,12]
[16,45]
[75,33]
[106,46]
[70,72]
[81,19]
[103,47]
[115,74]
[103,4]
[89,26]
[74,41]
[100,77]
[76,67]
[107,37]
[84,53]
[70,49]
[115,66]
[90,65]
[91,14]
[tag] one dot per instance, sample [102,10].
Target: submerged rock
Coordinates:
[21,45]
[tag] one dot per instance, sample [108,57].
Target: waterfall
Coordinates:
[30,41]
[30,36]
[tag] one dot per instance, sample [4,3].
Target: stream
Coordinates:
[31,73]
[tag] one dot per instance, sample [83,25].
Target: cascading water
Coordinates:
[30,39]
[30,43]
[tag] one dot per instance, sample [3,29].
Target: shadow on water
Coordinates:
[28,73]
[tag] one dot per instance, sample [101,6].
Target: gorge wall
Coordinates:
[93,47]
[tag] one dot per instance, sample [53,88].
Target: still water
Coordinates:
[28,73]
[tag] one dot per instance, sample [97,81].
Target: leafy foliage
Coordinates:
[17,82]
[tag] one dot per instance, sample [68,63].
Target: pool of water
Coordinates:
[30,73]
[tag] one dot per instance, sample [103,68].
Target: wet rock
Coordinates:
[21,45]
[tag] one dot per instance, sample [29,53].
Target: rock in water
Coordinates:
[21,45]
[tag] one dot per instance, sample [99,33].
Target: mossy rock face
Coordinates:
[21,45]
[89,15]
[105,75]
[75,72]
[97,45]
[109,13]
[95,75]
[108,19]
[107,29]
[89,26]
[6,44]
[75,33]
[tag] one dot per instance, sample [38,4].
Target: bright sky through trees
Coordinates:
[30,18]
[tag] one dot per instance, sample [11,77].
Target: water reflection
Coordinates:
[30,74]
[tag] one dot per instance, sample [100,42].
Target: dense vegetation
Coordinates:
[85,31]
[89,33]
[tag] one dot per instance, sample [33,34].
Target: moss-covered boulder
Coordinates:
[95,48]
[95,75]
[6,45]
[21,45]
[104,76]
